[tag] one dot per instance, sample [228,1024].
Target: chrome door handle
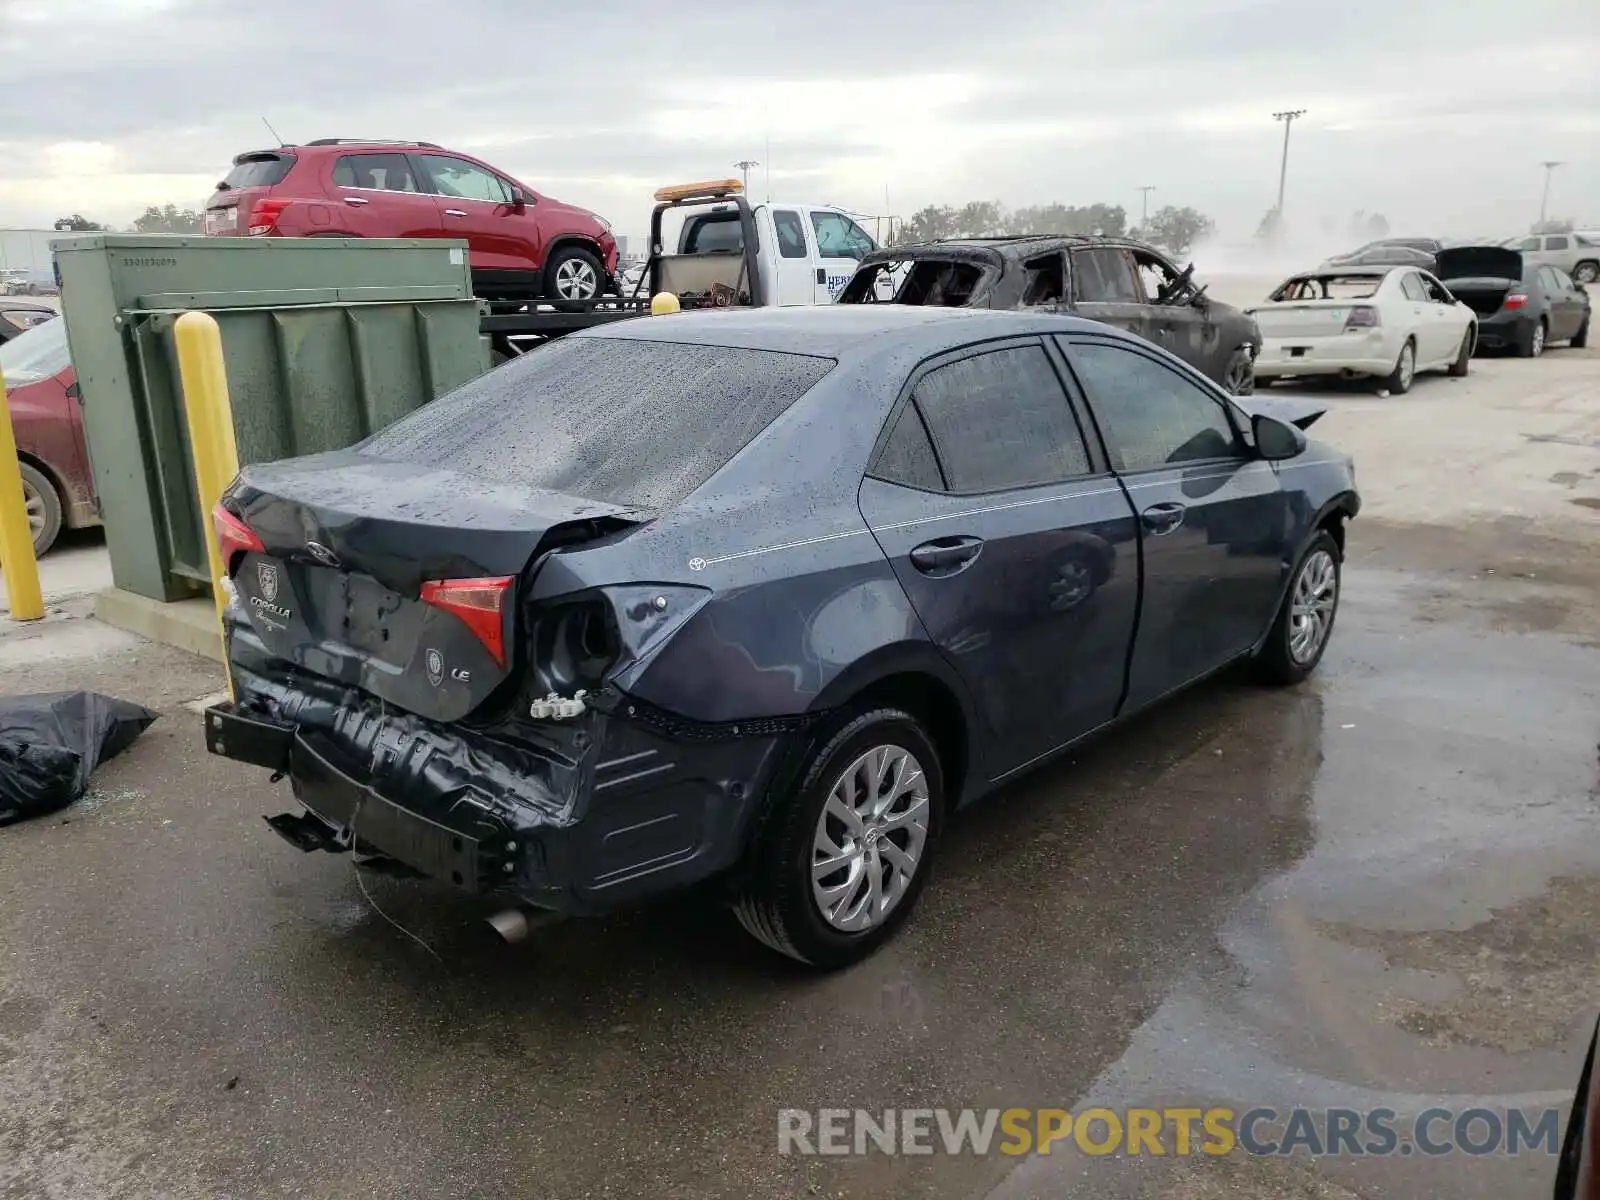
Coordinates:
[1162,519]
[355,200]
[454,212]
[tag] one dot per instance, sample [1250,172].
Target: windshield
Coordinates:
[35,354]
[630,422]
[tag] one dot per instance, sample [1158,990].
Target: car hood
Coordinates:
[1492,262]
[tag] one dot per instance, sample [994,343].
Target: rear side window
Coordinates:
[1001,420]
[791,233]
[1103,276]
[1556,243]
[376,172]
[907,456]
[259,170]
[628,422]
[1411,285]
[1151,415]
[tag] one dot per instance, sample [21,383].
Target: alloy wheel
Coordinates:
[1316,595]
[869,839]
[35,506]
[1408,365]
[1240,371]
[1538,339]
[576,280]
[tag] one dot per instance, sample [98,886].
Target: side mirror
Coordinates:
[1275,439]
[520,198]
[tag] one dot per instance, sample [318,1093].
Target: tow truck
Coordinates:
[730,255]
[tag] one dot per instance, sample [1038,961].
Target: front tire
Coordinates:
[1463,362]
[1304,623]
[839,861]
[573,275]
[1405,370]
[1581,338]
[1586,271]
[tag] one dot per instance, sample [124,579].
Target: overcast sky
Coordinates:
[1434,112]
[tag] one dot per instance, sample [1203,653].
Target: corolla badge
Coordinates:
[434,661]
[267,576]
[322,554]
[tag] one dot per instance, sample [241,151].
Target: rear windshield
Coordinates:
[627,422]
[262,170]
[713,235]
[1329,287]
[35,353]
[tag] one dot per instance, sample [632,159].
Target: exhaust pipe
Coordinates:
[512,925]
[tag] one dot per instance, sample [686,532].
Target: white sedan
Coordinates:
[1386,323]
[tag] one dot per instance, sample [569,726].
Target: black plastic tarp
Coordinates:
[51,742]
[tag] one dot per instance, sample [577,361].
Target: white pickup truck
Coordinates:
[807,252]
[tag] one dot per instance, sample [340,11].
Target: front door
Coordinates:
[841,245]
[382,197]
[1105,288]
[1213,519]
[797,277]
[1018,549]
[476,204]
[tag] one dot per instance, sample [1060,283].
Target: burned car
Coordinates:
[756,596]
[1117,281]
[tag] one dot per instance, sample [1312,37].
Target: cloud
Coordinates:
[1435,112]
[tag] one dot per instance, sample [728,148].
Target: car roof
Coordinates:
[843,331]
[1019,245]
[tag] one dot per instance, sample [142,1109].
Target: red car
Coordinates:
[41,392]
[523,244]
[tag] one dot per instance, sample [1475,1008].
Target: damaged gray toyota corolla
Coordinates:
[758,596]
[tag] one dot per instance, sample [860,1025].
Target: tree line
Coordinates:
[1176,229]
[168,218]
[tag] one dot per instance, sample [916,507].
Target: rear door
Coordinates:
[1566,303]
[796,270]
[1015,545]
[1105,288]
[841,245]
[382,196]
[1212,516]
[475,203]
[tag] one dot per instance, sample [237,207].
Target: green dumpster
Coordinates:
[325,339]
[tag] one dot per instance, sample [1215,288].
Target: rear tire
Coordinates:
[1532,344]
[1405,370]
[44,508]
[784,902]
[1312,599]
[1463,362]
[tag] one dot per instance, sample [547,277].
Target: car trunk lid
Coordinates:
[1303,318]
[251,180]
[1479,262]
[395,578]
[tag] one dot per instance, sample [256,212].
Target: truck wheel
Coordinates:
[1305,622]
[44,508]
[840,859]
[1587,271]
[573,274]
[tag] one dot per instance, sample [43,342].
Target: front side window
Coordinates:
[840,237]
[1001,420]
[791,233]
[1103,276]
[1151,415]
[1531,243]
[459,179]
[376,172]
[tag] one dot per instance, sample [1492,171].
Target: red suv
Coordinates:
[523,245]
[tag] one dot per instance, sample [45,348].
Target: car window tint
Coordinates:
[1556,243]
[616,419]
[378,172]
[791,233]
[907,456]
[1103,276]
[1151,415]
[1001,420]
[1411,285]
[460,179]
[259,170]
[840,237]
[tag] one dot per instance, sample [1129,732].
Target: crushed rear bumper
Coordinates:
[575,816]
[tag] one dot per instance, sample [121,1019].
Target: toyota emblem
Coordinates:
[267,576]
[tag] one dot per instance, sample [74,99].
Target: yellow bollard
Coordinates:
[16,539]
[663,303]
[210,416]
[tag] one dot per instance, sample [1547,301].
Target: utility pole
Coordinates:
[1544,202]
[1144,205]
[744,165]
[1288,119]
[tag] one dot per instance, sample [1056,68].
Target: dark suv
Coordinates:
[523,244]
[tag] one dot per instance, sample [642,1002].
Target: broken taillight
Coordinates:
[1362,316]
[478,604]
[234,537]
[264,216]
[1515,300]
